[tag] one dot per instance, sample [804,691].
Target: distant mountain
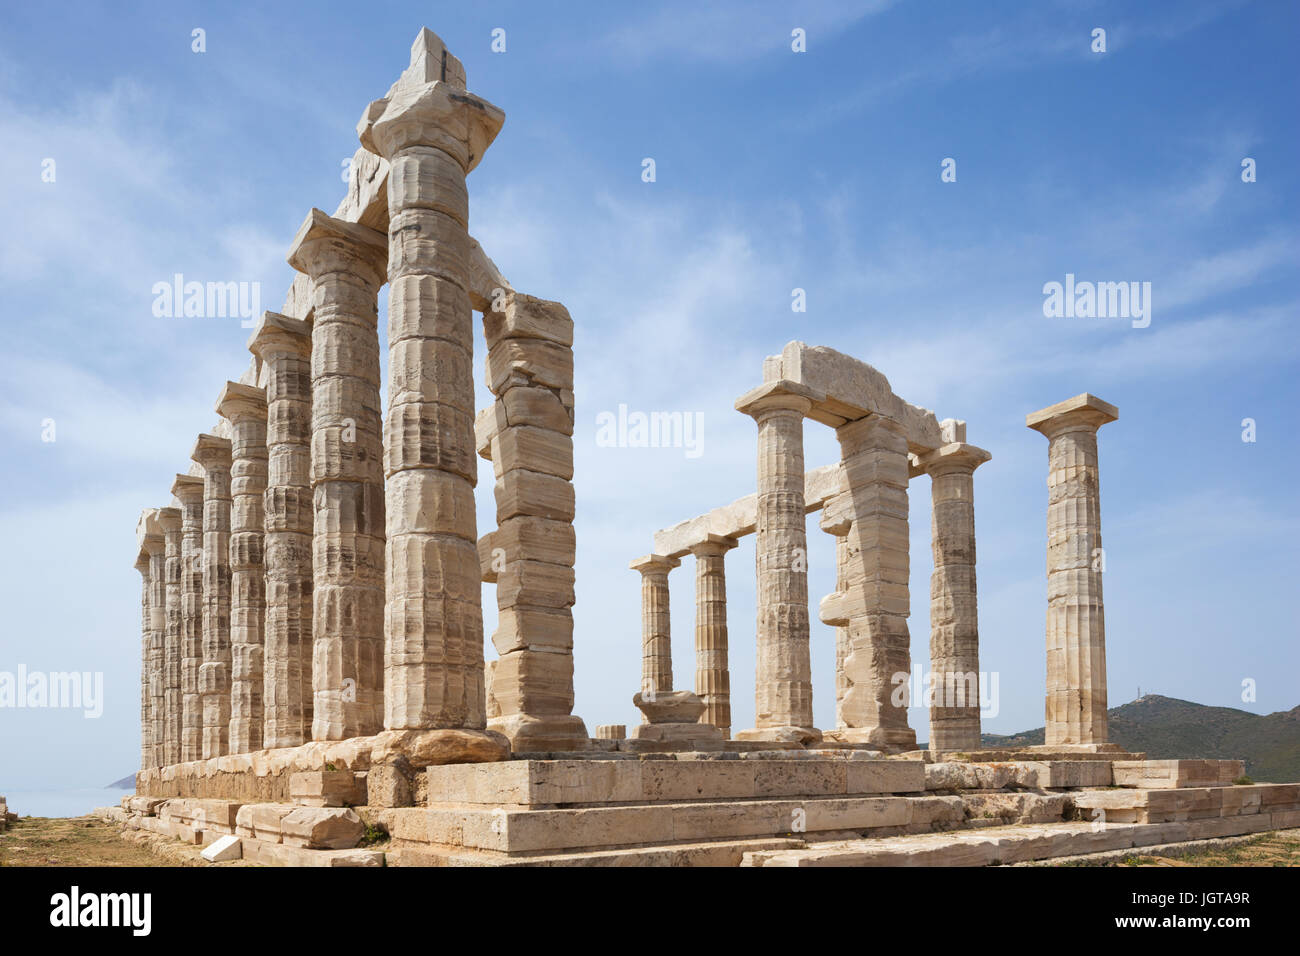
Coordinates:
[126,783]
[1166,728]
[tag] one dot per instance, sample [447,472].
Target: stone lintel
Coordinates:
[208,447]
[363,240]
[238,401]
[1084,409]
[280,329]
[654,562]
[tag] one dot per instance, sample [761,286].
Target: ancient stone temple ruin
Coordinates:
[312,649]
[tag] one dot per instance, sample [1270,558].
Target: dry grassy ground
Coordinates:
[89,841]
[1271,849]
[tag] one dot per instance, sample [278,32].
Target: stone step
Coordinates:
[1012,844]
[520,829]
[1187,803]
[1167,774]
[1034,774]
[712,853]
[582,782]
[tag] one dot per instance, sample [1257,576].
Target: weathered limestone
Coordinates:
[954,622]
[835,521]
[783,682]
[527,434]
[432,135]
[146,631]
[188,491]
[712,673]
[874,603]
[170,522]
[149,536]
[245,408]
[214,455]
[346,265]
[656,625]
[284,346]
[1076,629]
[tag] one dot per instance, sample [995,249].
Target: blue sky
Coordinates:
[775,170]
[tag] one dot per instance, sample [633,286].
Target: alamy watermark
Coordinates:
[208,300]
[630,429]
[62,690]
[1098,300]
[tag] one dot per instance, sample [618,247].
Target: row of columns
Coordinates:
[327,579]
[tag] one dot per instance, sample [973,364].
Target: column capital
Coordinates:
[280,333]
[953,457]
[210,450]
[148,532]
[238,402]
[142,561]
[169,520]
[1081,412]
[714,544]
[187,488]
[778,396]
[324,244]
[654,563]
[433,114]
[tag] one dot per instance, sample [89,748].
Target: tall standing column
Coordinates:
[656,624]
[345,262]
[284,346]
[783,681]
[954,618]
[151,539]
[874,600]
[1076,626]
[432,135]
[170,521]
[712,672]
[244,406]
[836,519]
[213,454]
[146,627]
[188,490]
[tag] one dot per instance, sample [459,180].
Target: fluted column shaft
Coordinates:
[189,492]
[170,521]
[712,671]
[245,408]
[213,454]
[146,628]
[1076,628]
[284,345]
[954,618]
[656,624]
[346,265]
[783,679]
[874,603]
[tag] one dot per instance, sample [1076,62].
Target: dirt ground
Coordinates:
[1271,849]
[90,841]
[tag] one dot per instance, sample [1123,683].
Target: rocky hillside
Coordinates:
[1165,728]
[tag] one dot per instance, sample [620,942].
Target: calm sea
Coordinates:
[61,803]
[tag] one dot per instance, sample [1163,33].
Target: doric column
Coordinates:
[244,406]
[432,135]
[1076,625]
[345,262]
[169,520]
[656,624]
[146,628]
[151,540]
[873,602]
[712,672]
[213,454]
[783,681]
[188,490]
[527,434]
[836,519]
[284,346]
[954,619]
